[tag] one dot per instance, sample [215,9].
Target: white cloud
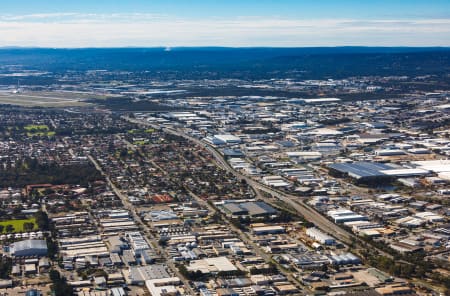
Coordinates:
[140,29]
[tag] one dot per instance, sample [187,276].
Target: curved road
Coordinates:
[295,202]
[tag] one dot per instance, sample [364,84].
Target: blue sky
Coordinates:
[230,8]
[98,23]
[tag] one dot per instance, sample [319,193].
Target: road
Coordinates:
[249,242]
[153,240]
[293,201]
[243,236]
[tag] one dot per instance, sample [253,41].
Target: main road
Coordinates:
[243,236]
[293,201]
[132,209]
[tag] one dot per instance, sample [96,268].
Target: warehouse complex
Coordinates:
[29,248]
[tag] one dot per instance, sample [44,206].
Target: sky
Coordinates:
[233,23]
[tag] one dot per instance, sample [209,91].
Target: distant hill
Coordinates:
[218,62]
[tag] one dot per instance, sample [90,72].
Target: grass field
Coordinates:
[148,131]
[18,224]
[140,143]
[41,134]
[38,130]
[42,127]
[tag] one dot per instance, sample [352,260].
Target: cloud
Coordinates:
[71,17]
[141,29]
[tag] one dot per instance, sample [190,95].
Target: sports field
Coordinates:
[18,224]
[38,130]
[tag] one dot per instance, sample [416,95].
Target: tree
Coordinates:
[42,220]
[2,228]
[52,248]
[60,286]
[9,228]
[54,275]
[123,153]
[5,267]
[163,241]
[28,226]
[17,210]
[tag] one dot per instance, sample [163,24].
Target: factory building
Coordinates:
[223,140]
[374,172]
[29,247]
[319,236]
[344,259]
[344,215]
[137,242]
[264,230]
[389,152]
[361,171]
[253,209]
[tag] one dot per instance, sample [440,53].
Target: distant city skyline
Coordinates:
[288,23]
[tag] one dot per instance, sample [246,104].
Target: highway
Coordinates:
[243,236]
[293,201]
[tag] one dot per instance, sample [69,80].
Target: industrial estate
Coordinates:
[120,183]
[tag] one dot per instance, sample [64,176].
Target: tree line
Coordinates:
[31,171]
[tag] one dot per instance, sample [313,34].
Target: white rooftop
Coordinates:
[437,166]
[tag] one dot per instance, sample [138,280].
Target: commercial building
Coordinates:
[319,236]
[406,172]
[389,152]
[137,242]
[436,166]
[253,209]
[304,155]
[344,215]
[80,247]
[275,181]
[29,247]
[321,100]
[263,230]
[224,140]
[392,290]
[344,259]
[361,171]
[137,275]
[163,287]
[212,265]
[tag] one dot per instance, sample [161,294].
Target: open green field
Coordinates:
[148,131]
[140,143]
[41,127]
[41,134]
[38,130]
[18,225]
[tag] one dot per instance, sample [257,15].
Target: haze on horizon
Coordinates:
[283,23]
